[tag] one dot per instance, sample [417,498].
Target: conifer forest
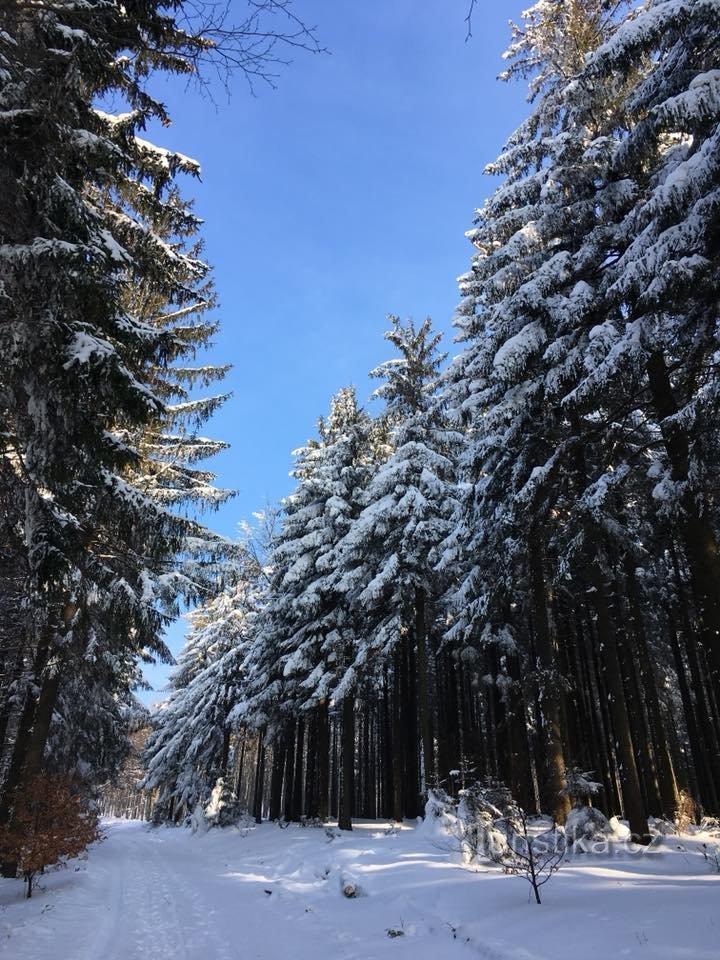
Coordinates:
[478,637]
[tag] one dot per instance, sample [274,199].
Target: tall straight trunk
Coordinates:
[699,751]
[8,868]
[699,539]
[663,757]
[705,726]
[259,778]
[593,723]
[602,699]
[493,748]
[335,771]
[554,759]
[446,719]
[46,703]
[410,729]
[41,725]
[518,746]
[365,761]
[371,767]
[347,789]
[423,688]
[225,754]
[465,738]
[276,778]
[311,791]
[639,733]
[240,761]
[23,735]
[297,799]
[397,737]
[289,779]
[12,677]
[323,754]
[385,757]
[632,796]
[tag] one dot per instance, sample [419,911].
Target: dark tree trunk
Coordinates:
[297,797]
[699,540]
[311,787]
[289,779]
[699,752]
[667,785]
[397,738]
[410,729]
[335,771]
[276,778]
[259,778]
[423,688]
[632,796]
[554,759]
[323,750]
[347,790]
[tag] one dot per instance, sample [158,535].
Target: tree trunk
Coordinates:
[661,749]
[699,540]
[259,778]
[554,760]
[347,791]
[323,751]
[410,729]
[632,795]
[311,792]
[423,688]
[276,778]
[297,801]
[397,738]
[705,725]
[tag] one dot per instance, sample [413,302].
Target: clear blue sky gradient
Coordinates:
[339,197]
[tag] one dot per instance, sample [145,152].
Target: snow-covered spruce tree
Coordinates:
[504,387]
[77,388]
[189,747]
[634,371]
[660,280]
[269,703]
[99,692]
[308,634]
[385,563]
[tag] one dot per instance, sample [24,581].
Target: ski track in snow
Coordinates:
[275,894]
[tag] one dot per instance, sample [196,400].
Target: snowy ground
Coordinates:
[276,894]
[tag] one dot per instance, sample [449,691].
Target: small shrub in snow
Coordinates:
[483,812]
[224,809]
[198,823]
[536,857]
[50,823]
[580,786]
[439,804]
[662,827]
[585,826]
[441,819]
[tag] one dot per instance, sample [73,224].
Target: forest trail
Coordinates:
[169,895]
[272,894]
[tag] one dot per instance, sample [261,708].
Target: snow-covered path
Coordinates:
[168,895]
[276,895]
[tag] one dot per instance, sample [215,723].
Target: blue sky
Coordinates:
[339,197]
